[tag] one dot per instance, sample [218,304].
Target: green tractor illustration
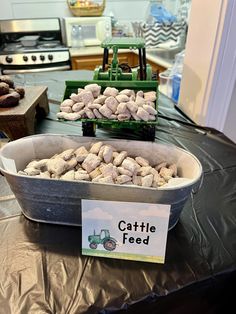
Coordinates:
[103,238]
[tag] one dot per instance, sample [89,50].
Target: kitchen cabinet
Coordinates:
[156,68]
[90,62]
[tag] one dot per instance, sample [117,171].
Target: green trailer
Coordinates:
[145,128]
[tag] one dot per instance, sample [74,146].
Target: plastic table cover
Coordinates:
[42,269]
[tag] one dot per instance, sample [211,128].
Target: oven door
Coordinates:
[15,69]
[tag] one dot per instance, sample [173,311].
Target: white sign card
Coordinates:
[125,230]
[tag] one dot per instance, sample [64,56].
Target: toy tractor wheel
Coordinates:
[109,245]
[93,246]
[88,128]
[148,132]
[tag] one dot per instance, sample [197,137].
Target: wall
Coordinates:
[200,58]
[229,126]
[207,93]
[122,9]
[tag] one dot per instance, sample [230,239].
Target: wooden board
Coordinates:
[19,121]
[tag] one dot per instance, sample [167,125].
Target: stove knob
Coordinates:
[34,58]
[9,59]
[42,57]
[25,58]
[50,57]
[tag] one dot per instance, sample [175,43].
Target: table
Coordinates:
[19,121]
[42,269]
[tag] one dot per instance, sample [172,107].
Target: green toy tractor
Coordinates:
[120,76]
[103,238]
[123,72]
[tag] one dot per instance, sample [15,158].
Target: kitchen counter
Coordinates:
[43,270]
[96,50]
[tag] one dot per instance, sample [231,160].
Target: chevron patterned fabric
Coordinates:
[157,33]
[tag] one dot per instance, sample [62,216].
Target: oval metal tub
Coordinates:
[59,201]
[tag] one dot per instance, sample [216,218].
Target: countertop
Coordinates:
[96,50]
[43,270]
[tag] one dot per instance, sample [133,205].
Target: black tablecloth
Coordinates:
[42,269]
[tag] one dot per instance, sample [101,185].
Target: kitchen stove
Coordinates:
[48,53]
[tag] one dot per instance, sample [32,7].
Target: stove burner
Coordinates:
[13,47]
[49,45]
[48,38]
[42,45]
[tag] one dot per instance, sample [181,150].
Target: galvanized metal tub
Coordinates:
[59,201]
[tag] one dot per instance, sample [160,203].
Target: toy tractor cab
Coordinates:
[123,72]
